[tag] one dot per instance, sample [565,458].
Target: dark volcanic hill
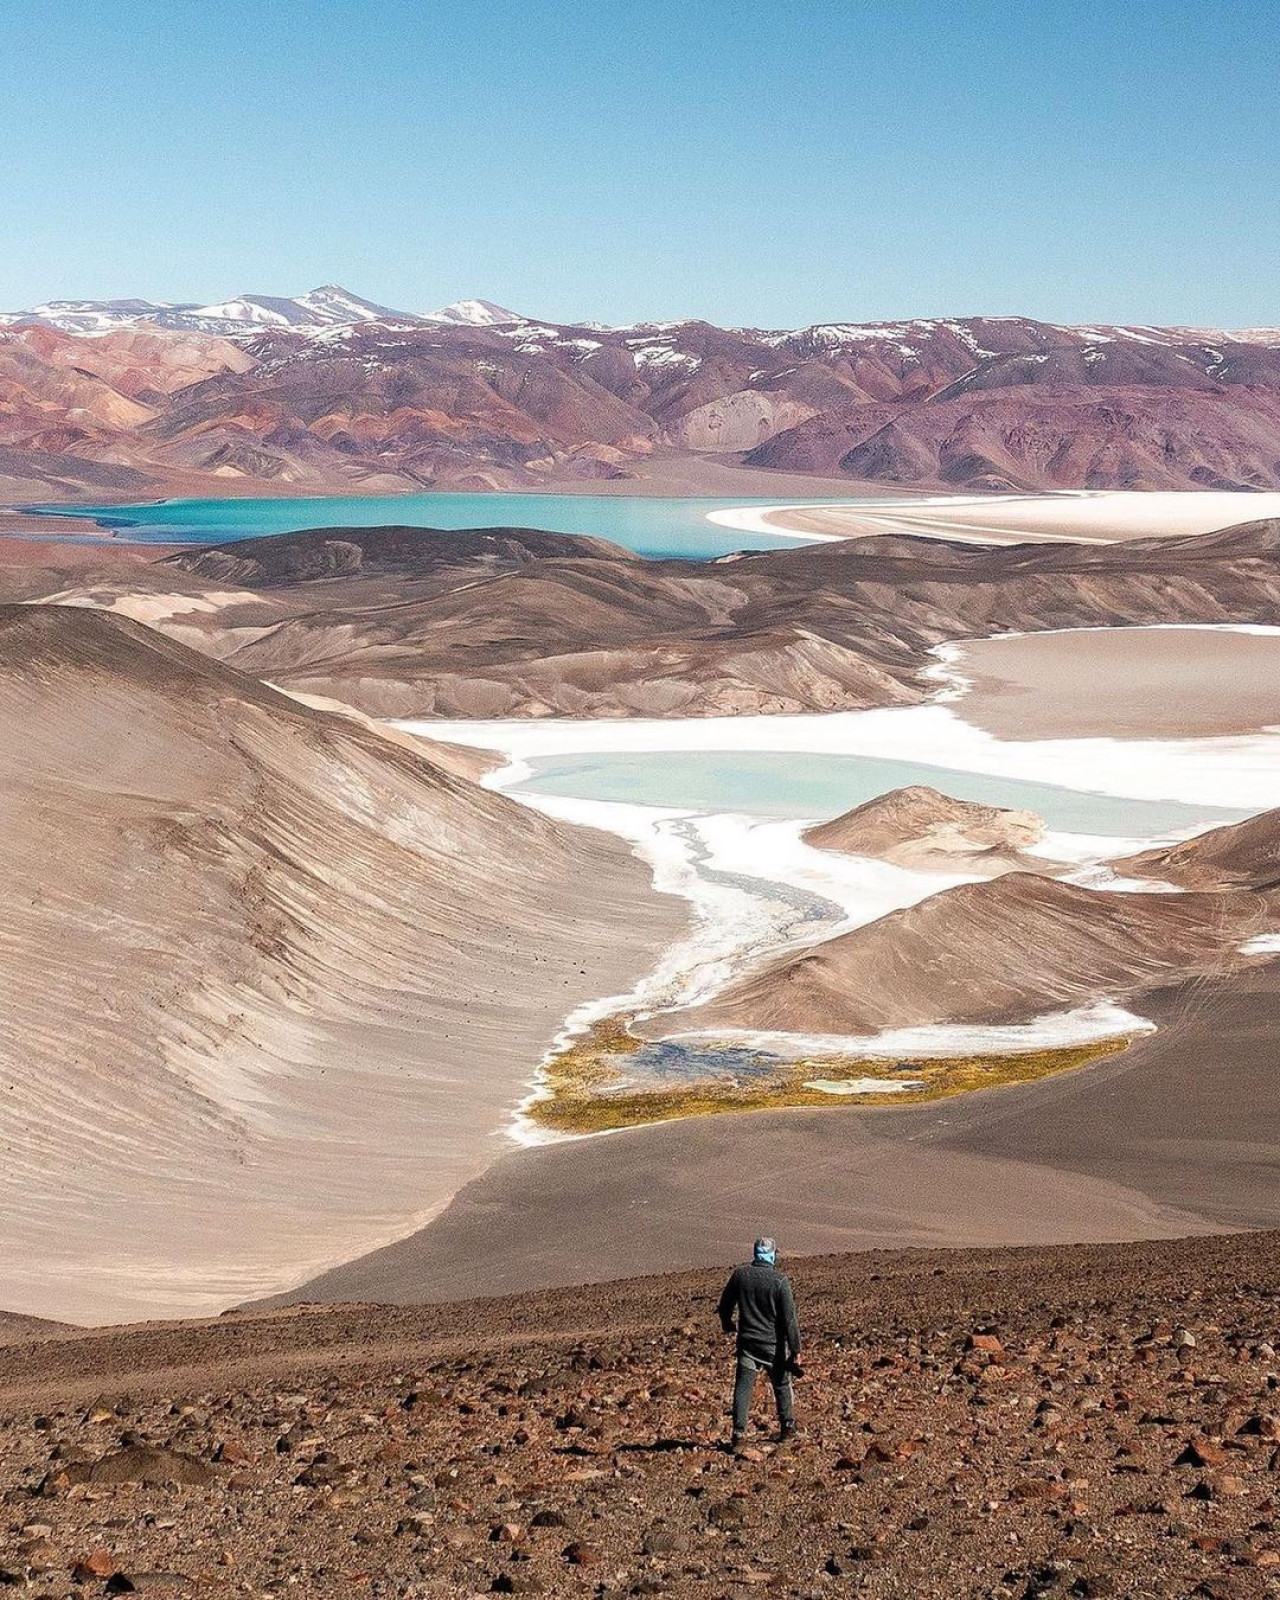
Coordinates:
[325,397]
[501,622]
[401,553]
[1074,1422]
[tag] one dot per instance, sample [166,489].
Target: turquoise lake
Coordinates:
[651,526]
[769,784]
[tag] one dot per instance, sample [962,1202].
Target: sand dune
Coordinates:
[269,979]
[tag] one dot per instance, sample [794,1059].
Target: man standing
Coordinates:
[768,1336]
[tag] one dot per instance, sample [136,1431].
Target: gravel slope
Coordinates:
[1041,1422]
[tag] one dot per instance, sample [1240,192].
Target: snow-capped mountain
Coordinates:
[332,307]
[327,388]
[329,306]
[92,316]
[473,314]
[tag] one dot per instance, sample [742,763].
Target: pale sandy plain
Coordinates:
[1123,683]
[1079,516]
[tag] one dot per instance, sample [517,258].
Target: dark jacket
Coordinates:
[761,1297]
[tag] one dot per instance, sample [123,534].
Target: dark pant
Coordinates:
[751,1363]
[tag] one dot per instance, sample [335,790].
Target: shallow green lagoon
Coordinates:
[772,784]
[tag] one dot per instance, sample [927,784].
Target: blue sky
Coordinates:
[761,163]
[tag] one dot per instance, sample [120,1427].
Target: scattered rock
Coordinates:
[142,1464]
[97,1564]
[581,1555]
[726,1514]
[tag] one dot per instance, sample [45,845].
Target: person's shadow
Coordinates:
[661,1447]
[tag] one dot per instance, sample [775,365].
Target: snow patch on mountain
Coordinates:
[651,353]
[89,316]
[326,307]
[472,314]
[1264,336]
[329,306]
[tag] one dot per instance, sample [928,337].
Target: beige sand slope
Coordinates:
[566,1213]
[269,981]
[1245,854]
[15,1327]
[996,951]
[920,827]
[1099,516]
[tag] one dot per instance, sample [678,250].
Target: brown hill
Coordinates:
[508,623]
[1241,855]
[144,362]
[403,552]
[71,409]
[15,1328]
[972,1423]
[271,979]
[1199,436]
[1000,951]
[920,827]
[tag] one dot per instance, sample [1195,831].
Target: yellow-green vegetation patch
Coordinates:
[586,1087]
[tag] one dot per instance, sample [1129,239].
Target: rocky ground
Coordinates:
[1076,1422]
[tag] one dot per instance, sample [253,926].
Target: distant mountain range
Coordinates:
[330,391]
[326,307]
